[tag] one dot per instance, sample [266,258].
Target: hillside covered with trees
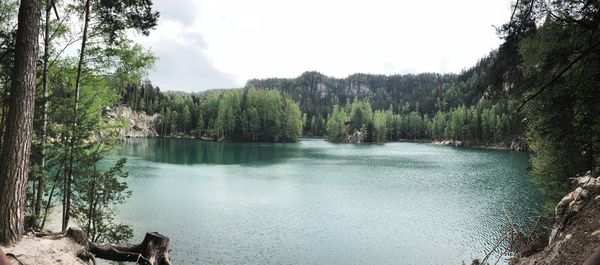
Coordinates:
[235,114]
[476,105]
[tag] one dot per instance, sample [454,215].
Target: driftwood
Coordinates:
[154,249]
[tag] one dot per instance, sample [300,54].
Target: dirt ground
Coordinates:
[576,242]
[35,250]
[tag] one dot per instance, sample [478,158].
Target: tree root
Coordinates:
[154,249]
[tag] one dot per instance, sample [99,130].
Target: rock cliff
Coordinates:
[575,236]
[135,124]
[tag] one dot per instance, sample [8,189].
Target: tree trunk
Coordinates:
[92,206]
[67,189]
[42,163]
[50,197]
[69,177]
[82,54]
[4,109]
[154,249]
[16,147]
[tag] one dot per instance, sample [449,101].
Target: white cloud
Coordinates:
[222,43]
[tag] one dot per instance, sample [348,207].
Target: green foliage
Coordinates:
[186,119]
[83,139]
[79,89]
[97,193]
[459,123]
[235,114]
[336,125]
[292,126]
[380,126]
[560,69]
[115,16]
[425,93]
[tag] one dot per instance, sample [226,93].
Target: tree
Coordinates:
[253,122]
[174,118]
[293,122]
[41,176]
[97,192]
[336,125]
[201,124]
[380,126]
[186,119]
[111,18]
[16,145]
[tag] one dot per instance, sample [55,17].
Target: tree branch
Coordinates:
[559,75]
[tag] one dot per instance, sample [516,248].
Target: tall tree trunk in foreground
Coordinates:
[16,147]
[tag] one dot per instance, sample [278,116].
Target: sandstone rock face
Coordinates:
[135,124]
[354,138]
[446,142]
[518,144]
[575,235]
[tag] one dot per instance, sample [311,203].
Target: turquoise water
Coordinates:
[314,202]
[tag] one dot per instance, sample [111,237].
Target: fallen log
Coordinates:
[154,249]
[50,235]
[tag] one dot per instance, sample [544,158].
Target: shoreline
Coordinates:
[450,143]
[478,146]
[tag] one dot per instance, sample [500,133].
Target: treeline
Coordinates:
[425,93]
[234,114]
[483,124]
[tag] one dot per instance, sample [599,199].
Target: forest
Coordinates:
[247,115]
[477,125]
[541,84]
[475,105]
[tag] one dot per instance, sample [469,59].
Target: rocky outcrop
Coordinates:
[354,138]
[518,144]
[575,235]
[450,143]
[135,124]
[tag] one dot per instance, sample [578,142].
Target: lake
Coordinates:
[314,202]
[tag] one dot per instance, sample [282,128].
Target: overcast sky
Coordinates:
[203,44]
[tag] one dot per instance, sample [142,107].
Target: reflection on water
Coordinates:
[314,202]
[191,151]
